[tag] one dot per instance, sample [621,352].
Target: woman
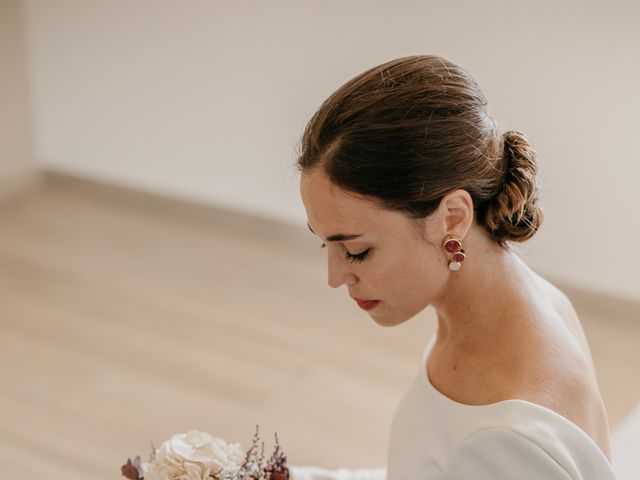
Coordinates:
[416,196]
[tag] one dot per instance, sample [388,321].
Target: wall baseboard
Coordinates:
[605,304]
[17,184]
[241,222]
[291,235]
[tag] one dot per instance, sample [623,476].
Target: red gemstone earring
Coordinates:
[453,245]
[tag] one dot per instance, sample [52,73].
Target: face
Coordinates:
[389,261]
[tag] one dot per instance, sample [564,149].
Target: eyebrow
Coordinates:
[338,236]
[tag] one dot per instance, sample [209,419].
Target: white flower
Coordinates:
[194,456]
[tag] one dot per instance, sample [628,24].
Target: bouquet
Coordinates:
[198,455]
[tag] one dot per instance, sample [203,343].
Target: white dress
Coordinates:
[434,437]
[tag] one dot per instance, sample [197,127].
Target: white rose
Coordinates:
[194,456]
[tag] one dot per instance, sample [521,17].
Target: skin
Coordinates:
[503,331]
[408,273]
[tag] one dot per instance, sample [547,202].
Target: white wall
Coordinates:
[205,100]
[17,161]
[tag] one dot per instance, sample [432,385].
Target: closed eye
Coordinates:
[353,258]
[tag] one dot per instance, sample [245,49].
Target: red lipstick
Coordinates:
[367,304]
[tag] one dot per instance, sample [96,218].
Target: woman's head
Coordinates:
[408,131]
[407,135]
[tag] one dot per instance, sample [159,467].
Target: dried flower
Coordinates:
[198,455]
[133,470]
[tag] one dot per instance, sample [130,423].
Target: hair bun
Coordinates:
[514,214]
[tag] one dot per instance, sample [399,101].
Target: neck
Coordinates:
[475,305]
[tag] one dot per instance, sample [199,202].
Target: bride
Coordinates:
[416,194]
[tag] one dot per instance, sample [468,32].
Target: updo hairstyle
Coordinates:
[407,132]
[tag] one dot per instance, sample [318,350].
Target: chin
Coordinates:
[390,320]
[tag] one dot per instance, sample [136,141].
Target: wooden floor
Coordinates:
[125,319]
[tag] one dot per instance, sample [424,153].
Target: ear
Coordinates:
[455,213]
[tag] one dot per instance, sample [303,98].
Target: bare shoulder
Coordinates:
[566,384]
[562,377]
[543,358]
[567,314]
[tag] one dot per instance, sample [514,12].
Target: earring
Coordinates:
[453,245]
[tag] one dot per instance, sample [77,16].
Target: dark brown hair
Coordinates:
[407,132]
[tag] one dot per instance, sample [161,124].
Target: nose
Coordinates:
[339,271]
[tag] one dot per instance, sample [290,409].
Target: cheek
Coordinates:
[402,272]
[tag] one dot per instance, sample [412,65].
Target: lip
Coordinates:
[366,304]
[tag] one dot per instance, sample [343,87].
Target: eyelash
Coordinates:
[353,258]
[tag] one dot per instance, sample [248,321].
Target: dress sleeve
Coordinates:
[309,472]
[504,454]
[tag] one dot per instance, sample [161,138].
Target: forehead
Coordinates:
[330,207]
